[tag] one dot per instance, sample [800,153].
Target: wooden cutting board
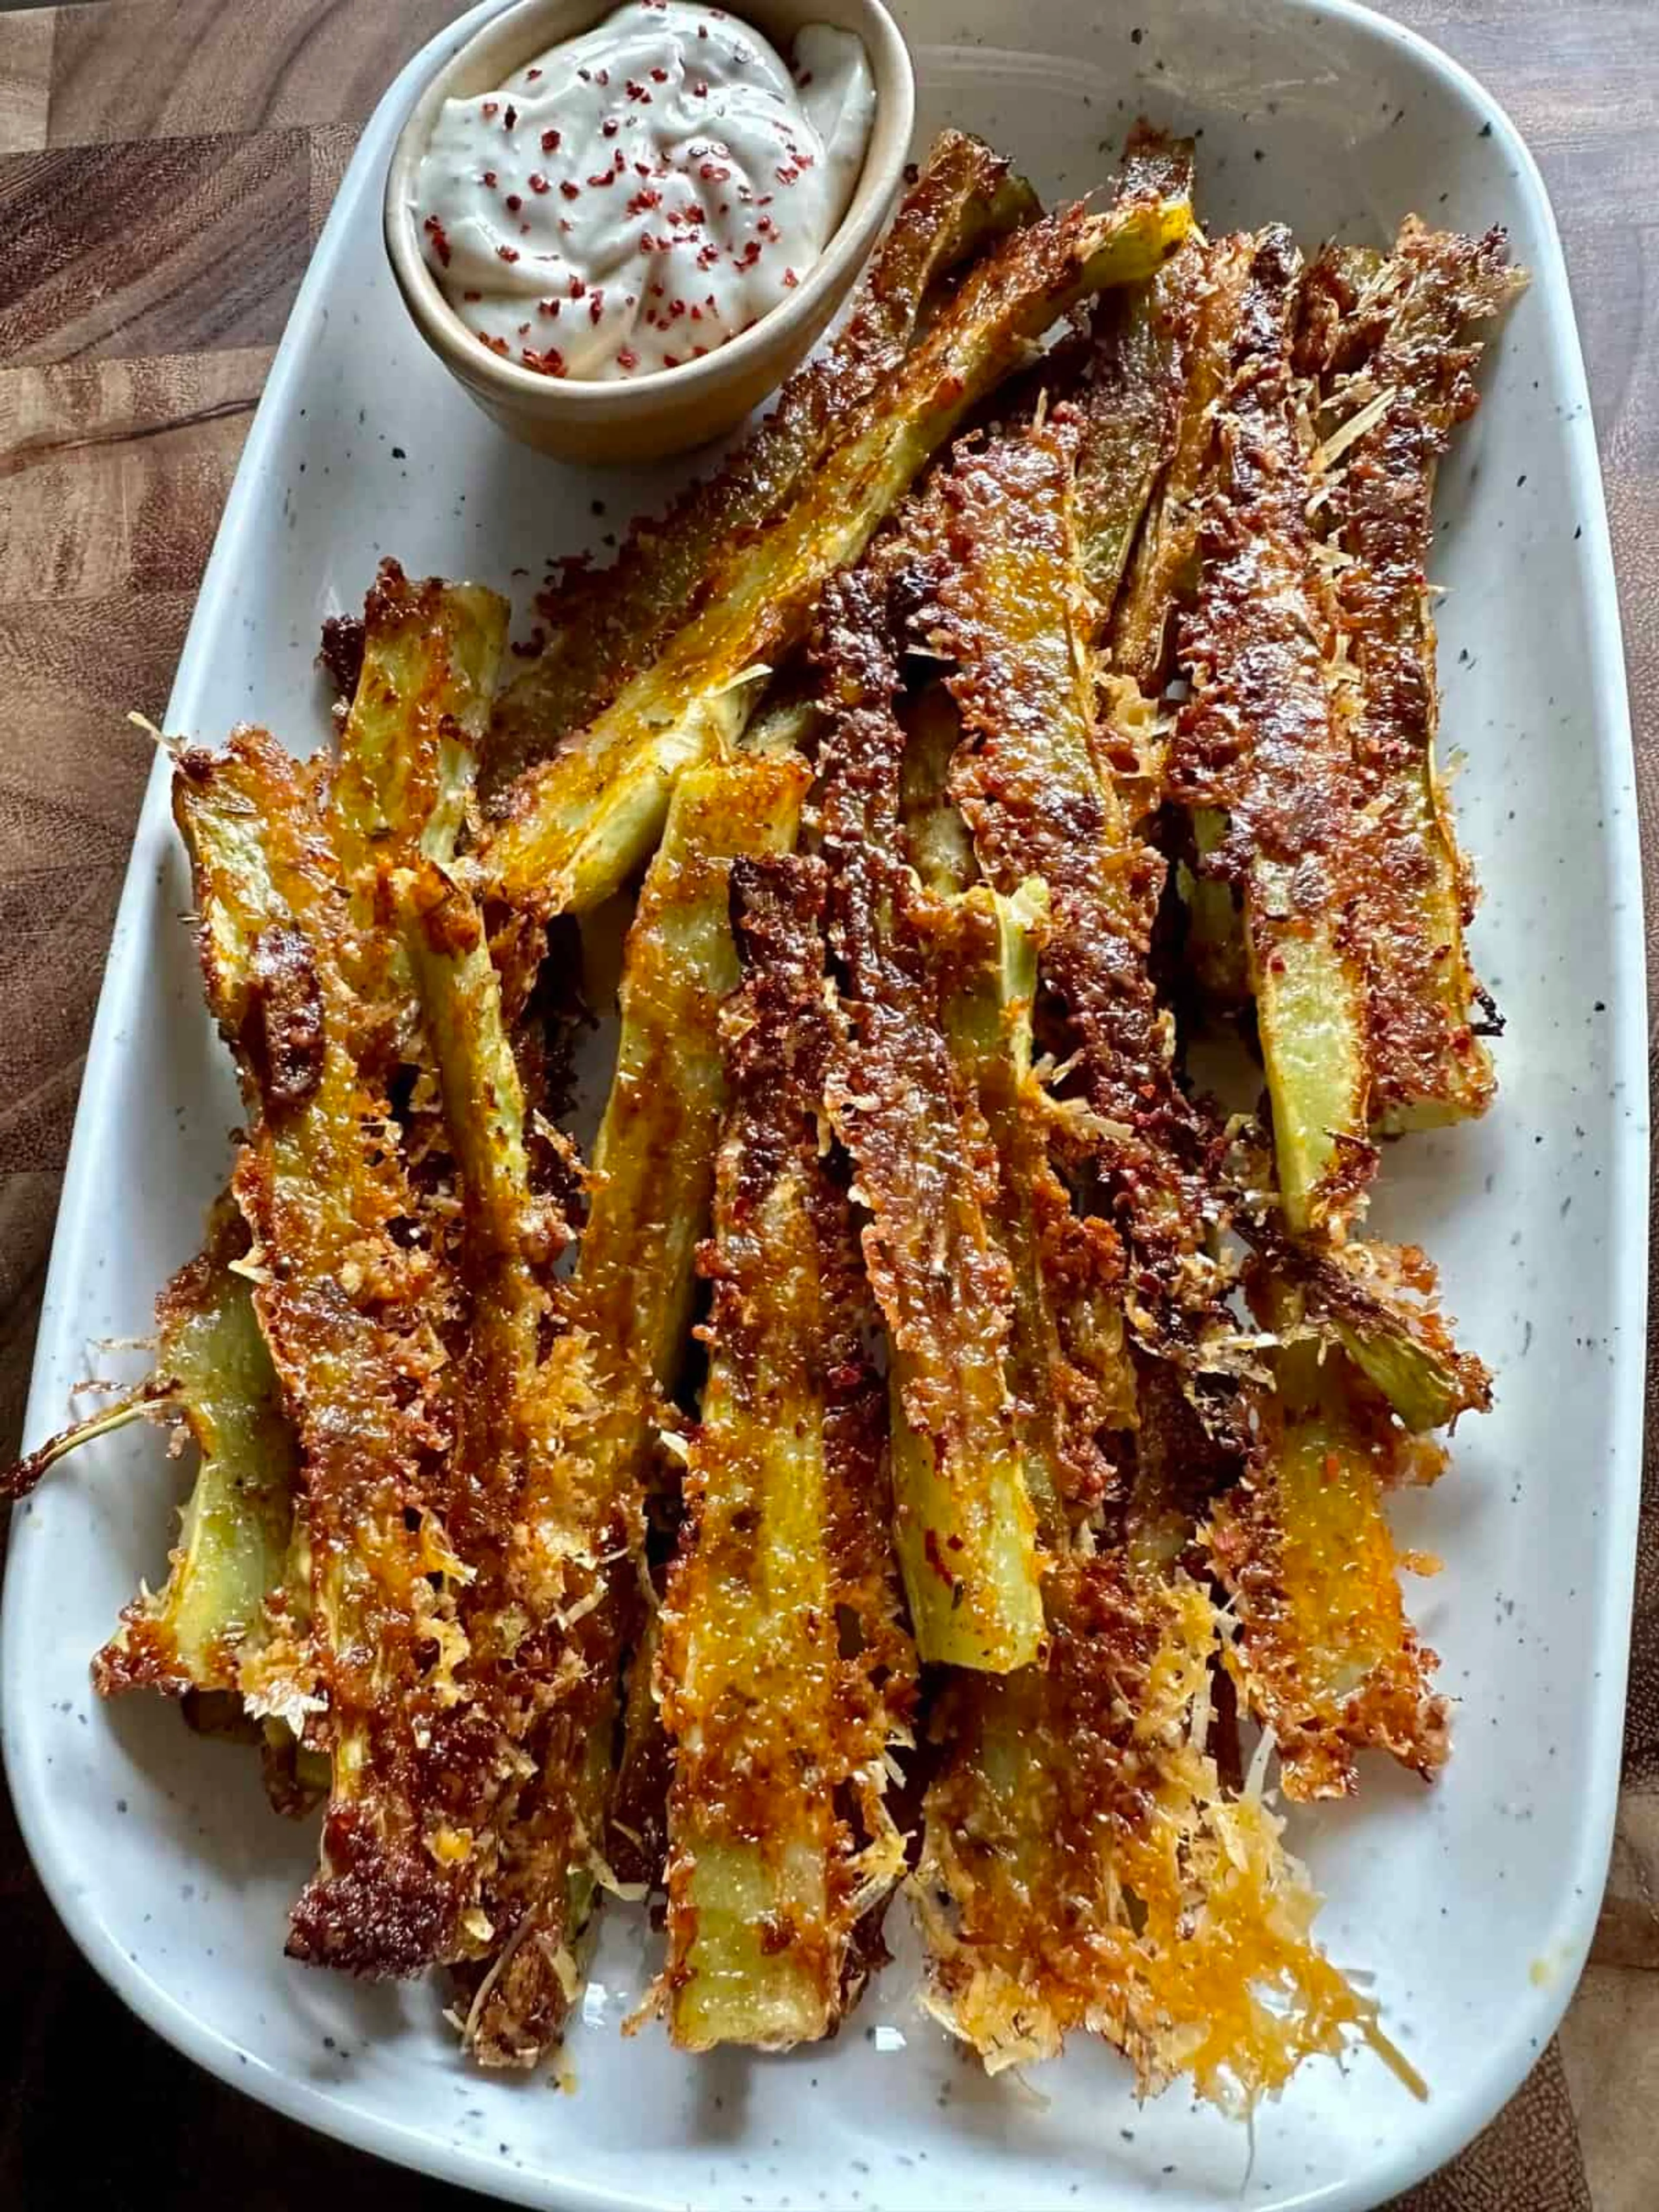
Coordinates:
[165,168]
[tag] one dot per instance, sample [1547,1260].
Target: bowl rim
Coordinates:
[512,36]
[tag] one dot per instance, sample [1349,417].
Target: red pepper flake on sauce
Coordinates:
[668,169]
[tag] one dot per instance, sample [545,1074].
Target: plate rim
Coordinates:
[339,2115]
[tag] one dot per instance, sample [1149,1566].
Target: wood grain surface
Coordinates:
[203,140]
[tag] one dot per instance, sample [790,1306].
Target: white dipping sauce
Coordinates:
[635,198]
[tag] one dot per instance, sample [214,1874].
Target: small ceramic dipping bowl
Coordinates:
[643,418]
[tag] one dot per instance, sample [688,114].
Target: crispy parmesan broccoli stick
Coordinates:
[965,1525]
[603,1385]
[577,824]
[1324,1654]
[350,1313]
[1365,1368]
[1014,616]
[1261,739]
[1083,1867]
[213,1376]
[1377,1303]
[611,623]
[780,1840]
[408,758]
[212,1365]
[1399,362]
[428,665]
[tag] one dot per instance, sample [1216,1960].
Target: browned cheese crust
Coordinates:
[925,1170]
[1260,737]
[780,1725]
[1034,780]
[1325,1654]
[350,1311]
[1403,341]
[1083,1869]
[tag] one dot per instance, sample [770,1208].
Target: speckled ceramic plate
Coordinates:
[1469,1907]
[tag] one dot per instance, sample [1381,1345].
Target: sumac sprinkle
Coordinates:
[434,231]
[550,141]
